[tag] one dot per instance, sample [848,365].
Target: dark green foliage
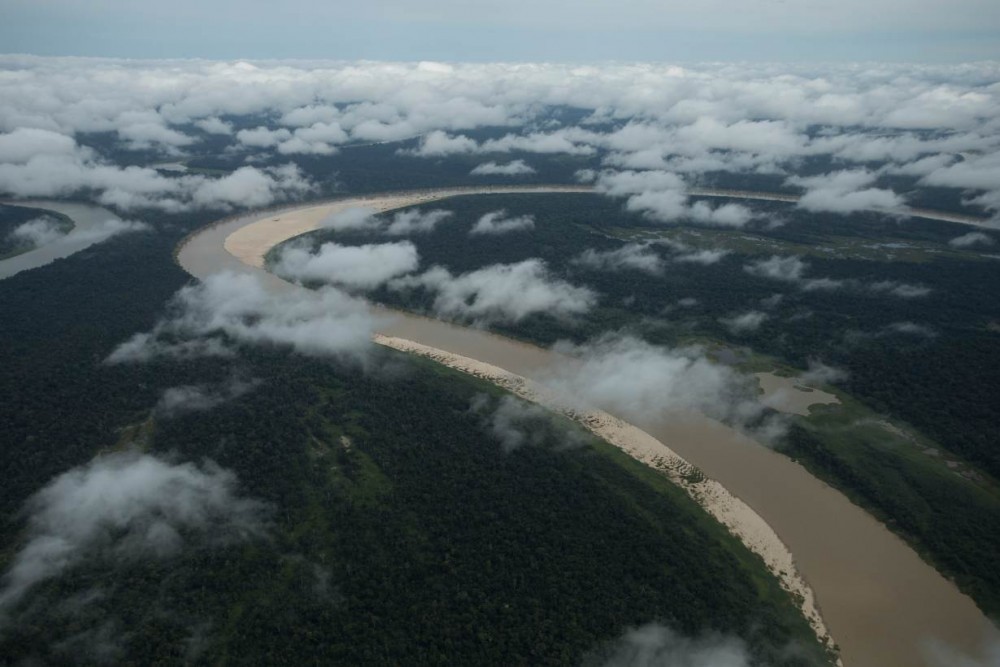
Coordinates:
[944,384]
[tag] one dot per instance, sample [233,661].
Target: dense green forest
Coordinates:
[938,377]
[399,530]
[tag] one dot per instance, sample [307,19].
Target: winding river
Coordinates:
[87,220]
[882,604]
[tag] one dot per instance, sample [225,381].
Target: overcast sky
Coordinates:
[508,30]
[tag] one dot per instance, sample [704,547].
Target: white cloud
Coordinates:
[513,168]
[324,322]
[633,379]
[786,269]
[198,398]
[902,290]
[497,222]
[415,221]
[501,292]
[706,256]
[37,232]
[744,322]
[971,239]
[633,256]
[662,196]
[516,423]
[354,267]
[654,645]
[127,506]
[261,137]
[845,192]
[355,217]
[214,125]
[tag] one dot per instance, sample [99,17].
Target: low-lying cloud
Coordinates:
[845,192]
[513,168]
[497,222]
[124,507]
[37,232]
[501,292]
[633,379]
[203,318]
[631,256]
[655,645]
[403,223]
[661,196]
[361,267]
[176,401]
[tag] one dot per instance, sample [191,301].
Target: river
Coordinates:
[880,601]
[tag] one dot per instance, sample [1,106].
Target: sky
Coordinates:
[509,30]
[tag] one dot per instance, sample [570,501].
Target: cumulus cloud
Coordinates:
[516,423]
[744,322]
[706,256]
[902,290]
[123,507]
[198,398]
[37,163]
[513,168]
[634,379]
[497,222]
[212,125]
[403,223]
[662,196]
[354,267]
[819,374]
[845,192]
[654,645]
[633,256]
[971,239]
[415,221]
[37,232]
[237,307]
[501,292]
[910,329]
[786,269]
[355,217]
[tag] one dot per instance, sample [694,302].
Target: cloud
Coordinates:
[910,329]
[501,292]
[971,239]
[786,269]
[355,217]
[198,398]
[633,256]
[497,222]
[820,374]
[792,270]
[514,168]
[403,223]
[415,221]
[516,423]
[745,322]
[662,197]
[845,192]
[123,507]
[902,290]
[361,267]
[37,163]
[233,306]
[440,144]
[654,645]
[706,256]
[636,380]
[37,232]
[212,125]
